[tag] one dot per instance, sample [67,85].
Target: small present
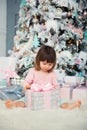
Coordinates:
[74,92]
[7,69]
[73,80]
[42,100]
[69,80]
[11,93]
[80,93]
[16,81]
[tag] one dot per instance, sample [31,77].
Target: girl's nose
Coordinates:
[47,66]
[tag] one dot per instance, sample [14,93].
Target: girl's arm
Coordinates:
[55,81]
[28,80]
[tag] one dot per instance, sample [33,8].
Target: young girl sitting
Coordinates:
[42,74]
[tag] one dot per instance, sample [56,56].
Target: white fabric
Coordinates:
[23,119]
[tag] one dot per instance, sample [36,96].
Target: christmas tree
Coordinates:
[61,24]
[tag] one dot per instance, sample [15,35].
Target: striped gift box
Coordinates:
[74,93]
[42,100]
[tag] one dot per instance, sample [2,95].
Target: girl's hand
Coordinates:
[26,87]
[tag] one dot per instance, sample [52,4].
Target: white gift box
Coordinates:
[42,100]
[7,69]
[80,93]
[73,80]
[70,80]
[77,93]
[7,63]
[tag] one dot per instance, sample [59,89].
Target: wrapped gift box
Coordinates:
[7,67]
[7,70]
[11,93]
[16,81]
[42,100]
[73,80]
[74,92]
[80,93]
[69,80]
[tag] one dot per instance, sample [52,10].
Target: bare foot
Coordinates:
[78,103]
[9,104]
[20,104]
[74,105]
[71,106]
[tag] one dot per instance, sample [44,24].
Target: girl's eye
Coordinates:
[43,63]
[50,64]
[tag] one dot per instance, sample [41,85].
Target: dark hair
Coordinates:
[45,53]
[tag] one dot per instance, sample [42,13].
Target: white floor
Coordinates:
[23,119]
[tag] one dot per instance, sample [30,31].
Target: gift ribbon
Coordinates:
[47,99]
[15,90]
[41,88]
[45,96]
[71,91]
[8,74]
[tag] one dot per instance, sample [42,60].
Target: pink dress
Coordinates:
[41,81]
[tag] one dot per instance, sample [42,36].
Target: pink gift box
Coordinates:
[78,93]
[42,100]
[64,93]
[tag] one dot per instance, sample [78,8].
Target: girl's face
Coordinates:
[45,66]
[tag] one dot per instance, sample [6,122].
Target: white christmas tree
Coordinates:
[56,23]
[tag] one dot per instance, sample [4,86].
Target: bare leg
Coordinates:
[11,104]
[71,106]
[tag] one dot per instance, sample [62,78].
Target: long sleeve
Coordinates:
[54,80]
[29,78]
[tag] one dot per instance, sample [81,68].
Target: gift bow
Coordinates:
[17,90]
[41,88]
